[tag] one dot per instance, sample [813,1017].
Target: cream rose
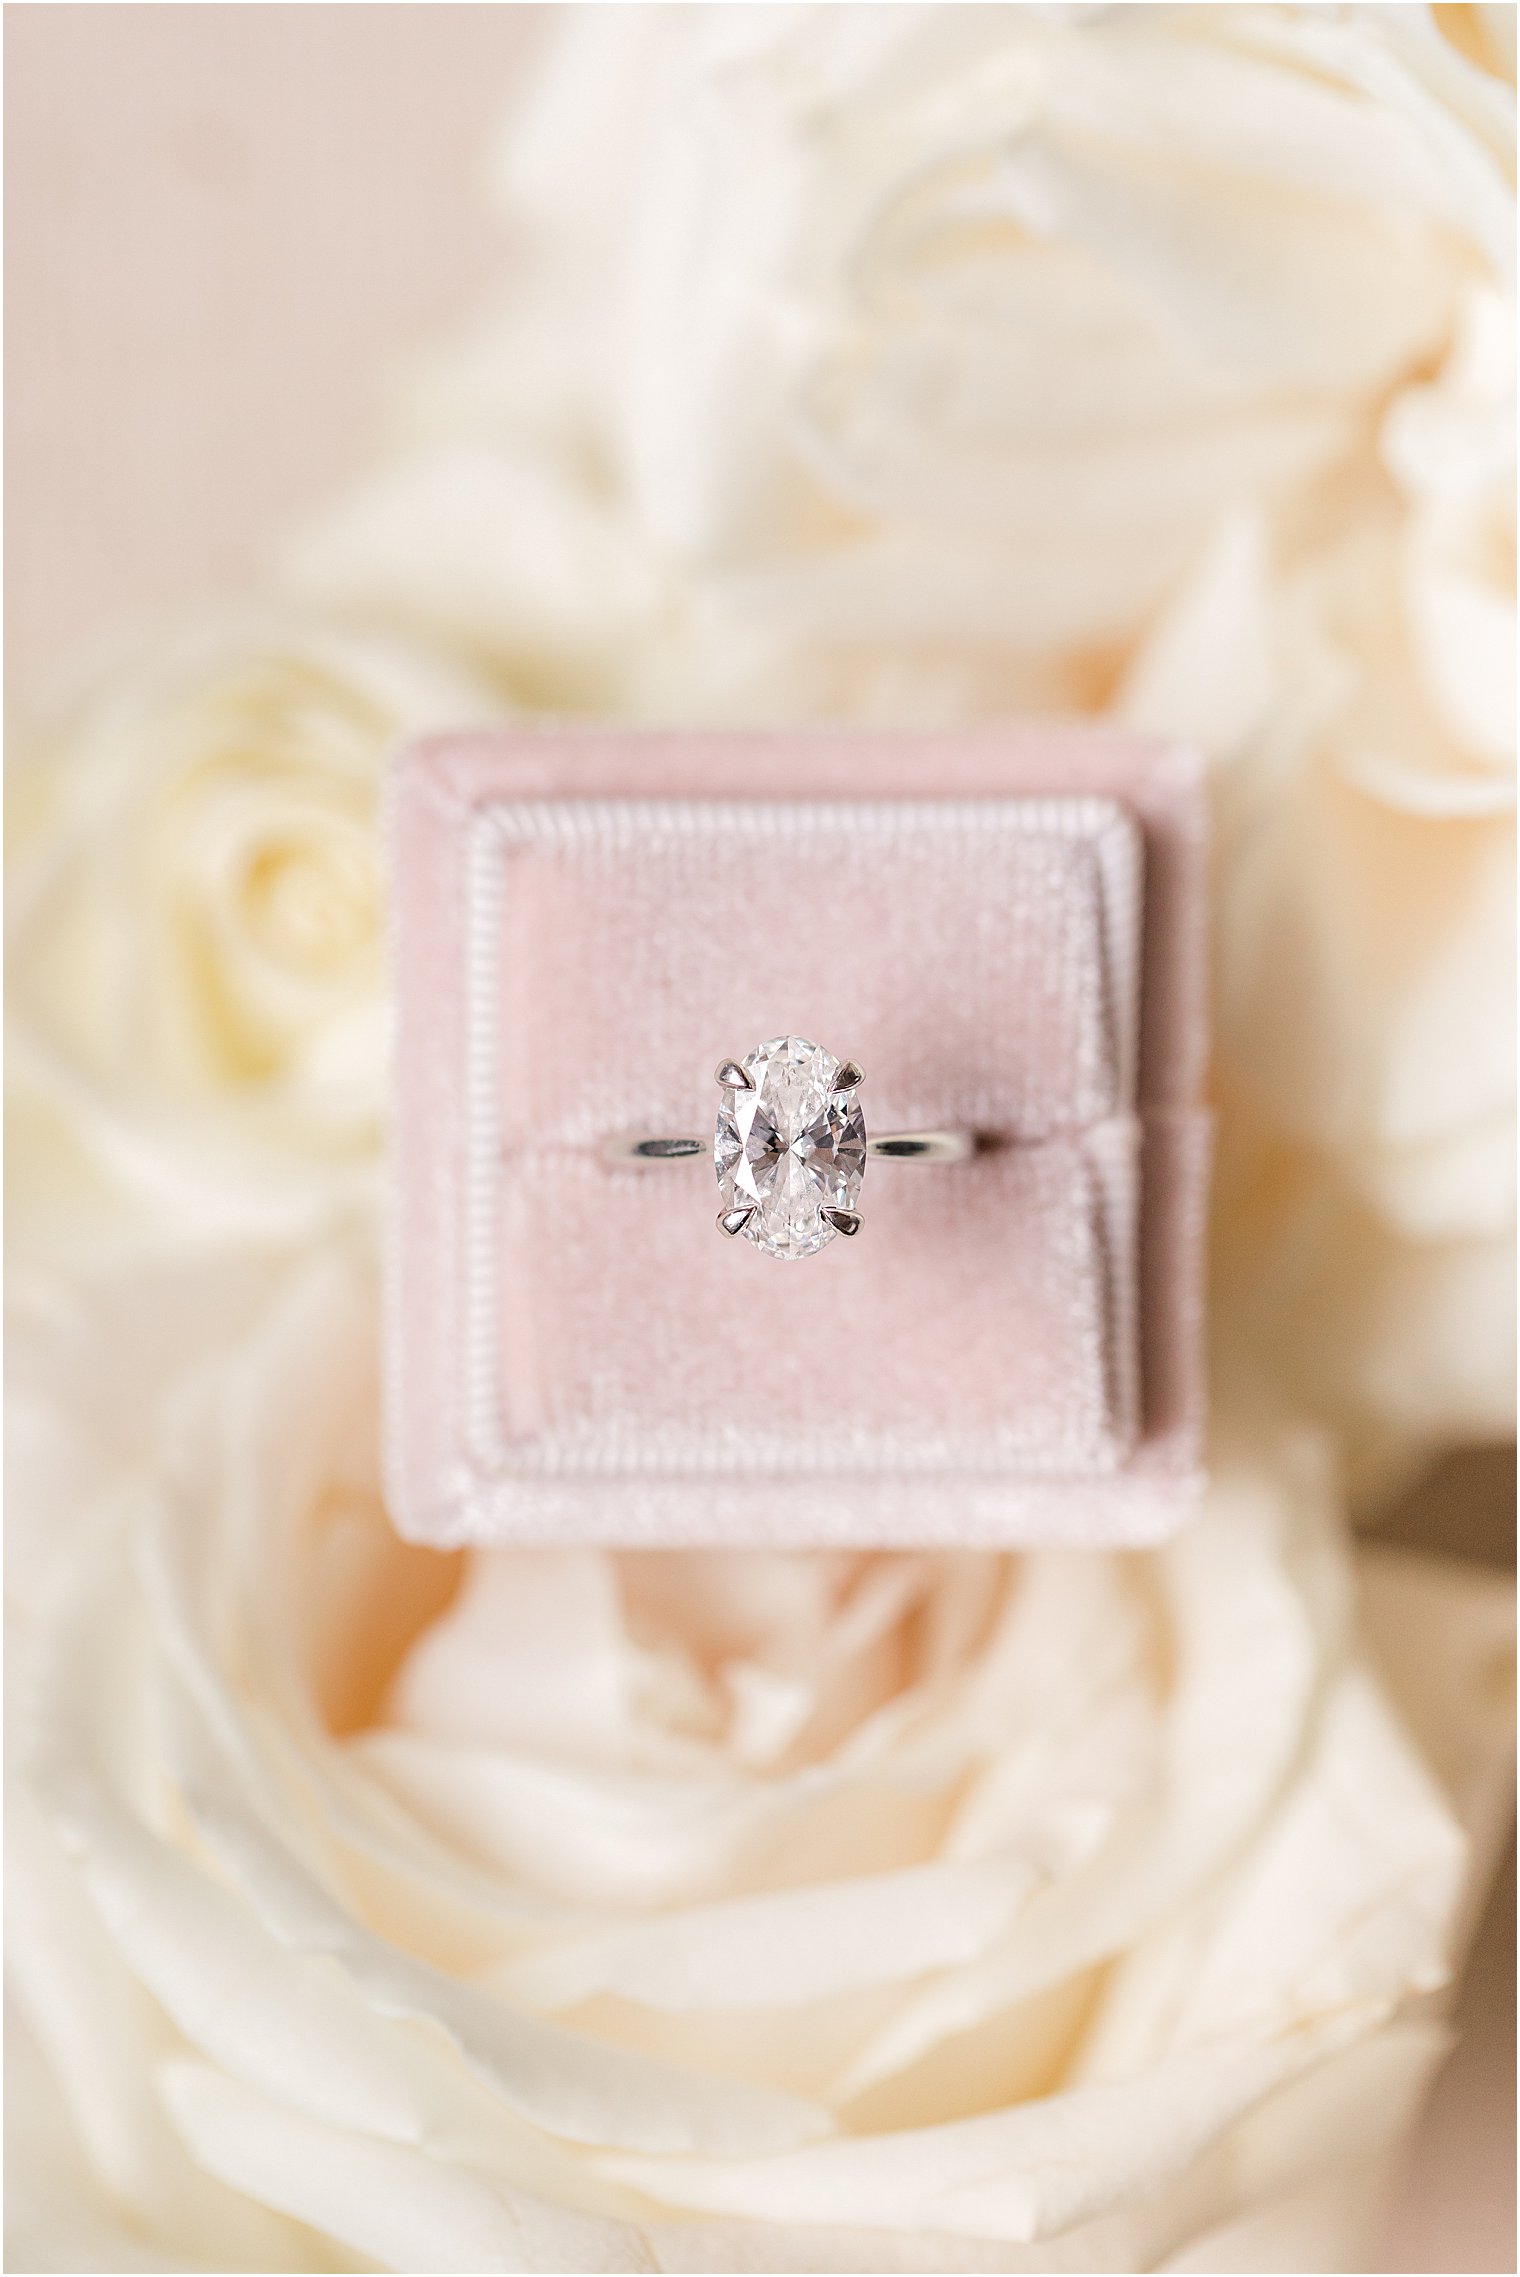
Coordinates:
[951,364]
[572,1911]
[196,920]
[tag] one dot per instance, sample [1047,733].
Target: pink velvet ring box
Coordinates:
[1004,930]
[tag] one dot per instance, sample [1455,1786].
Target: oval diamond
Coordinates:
[790,1147]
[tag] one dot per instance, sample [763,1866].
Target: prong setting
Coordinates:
[846,1222]
[733,1222]
[733,1075]
[787,1144]
[850,1076]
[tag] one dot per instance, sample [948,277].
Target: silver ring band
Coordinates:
[894,1146]
[790,1147]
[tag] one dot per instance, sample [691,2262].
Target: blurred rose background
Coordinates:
[207,286]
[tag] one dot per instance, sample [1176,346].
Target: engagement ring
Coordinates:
[790,1147]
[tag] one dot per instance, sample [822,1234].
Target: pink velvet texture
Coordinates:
[1003,931]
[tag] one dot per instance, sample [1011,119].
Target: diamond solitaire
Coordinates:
[790,1147]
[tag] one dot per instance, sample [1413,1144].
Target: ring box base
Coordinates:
[1004,931]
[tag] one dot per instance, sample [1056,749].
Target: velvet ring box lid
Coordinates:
[1004,930]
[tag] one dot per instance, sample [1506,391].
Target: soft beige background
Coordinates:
[223,224]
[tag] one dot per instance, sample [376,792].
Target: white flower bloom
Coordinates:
[927,365]
[569,1911]
[195,934]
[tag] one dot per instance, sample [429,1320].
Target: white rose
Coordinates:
[937,365]
[1359,701]
[196,933]
[572,1911]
